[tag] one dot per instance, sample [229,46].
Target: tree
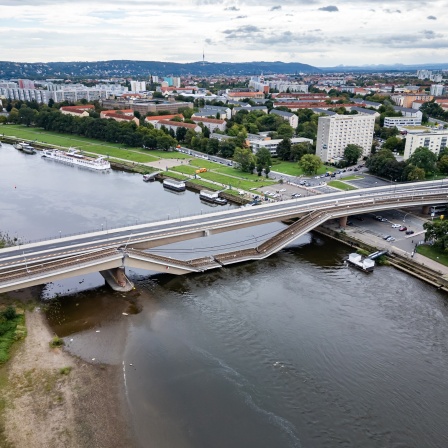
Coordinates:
[352,153]
[263,160]
[437,233]
[442,164]
[310,163]
[245,159]
[284,149]
[423,158]
[414,173]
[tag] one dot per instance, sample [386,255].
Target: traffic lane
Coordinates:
[370,181]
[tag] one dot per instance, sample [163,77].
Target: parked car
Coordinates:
[296,195]
[356,169]
[383,219]
[378,217]
[396,226]
[391,238]
[403,228]
[386,237]
[409,232]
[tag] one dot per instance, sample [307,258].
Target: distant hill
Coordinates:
[106,69]
[385,67]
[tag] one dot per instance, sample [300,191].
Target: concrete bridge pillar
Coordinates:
[425,209]
[343,222]
[117,280]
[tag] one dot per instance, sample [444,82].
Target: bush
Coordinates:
[56,342]
[9,313]
[65,370]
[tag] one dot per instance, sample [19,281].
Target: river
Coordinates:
[299,350]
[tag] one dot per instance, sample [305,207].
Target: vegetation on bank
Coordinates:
[433,253]
[12,329]
[340,185]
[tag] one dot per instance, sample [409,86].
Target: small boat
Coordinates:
[18,146]
[212,196]
[174,185]
[28,149]
[366,264]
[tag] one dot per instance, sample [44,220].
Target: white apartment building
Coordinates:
[291,118]
[435,141]
[257,144]
[335,132]
[390,122]
[138,86]
[437,89]
[40,96]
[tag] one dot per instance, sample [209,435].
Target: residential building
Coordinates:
[406,99]
[213,124]
[38,95]
[399,122]
[437,89]
[292,119]
[242,95]
[272,144]
[335,132]
[138,86]
[156,118]
[214,112]
[434,141]
[126,115]
[77,111]
[174,125]
[26,84]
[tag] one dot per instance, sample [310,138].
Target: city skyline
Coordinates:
[315,32]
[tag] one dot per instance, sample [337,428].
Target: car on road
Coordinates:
[409,232]
[391,238]
[378,217]
[296,195]
[282,190]
[383,220]
[386,237]
[396,226]
[403,228]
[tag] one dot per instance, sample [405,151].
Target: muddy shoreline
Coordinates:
[55,399]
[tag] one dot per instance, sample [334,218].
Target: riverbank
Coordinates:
[52,399]
[418,266]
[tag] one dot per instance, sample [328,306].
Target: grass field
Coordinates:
[433,253]
[116,150]
[340,185]
[293,169]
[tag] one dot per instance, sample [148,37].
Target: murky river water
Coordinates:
[298,350]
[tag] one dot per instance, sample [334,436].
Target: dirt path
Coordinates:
[46,407]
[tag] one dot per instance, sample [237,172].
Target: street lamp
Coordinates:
[60,231]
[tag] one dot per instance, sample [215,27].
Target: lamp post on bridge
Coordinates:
[60,231]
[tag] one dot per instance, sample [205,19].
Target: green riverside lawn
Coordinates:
[340,185]
[293,168]
[89,145]
[433,253]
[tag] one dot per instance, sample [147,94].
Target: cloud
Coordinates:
[231,8]
[276,8]
[392,11]
[431,18]
[329,8]
[240,17]
[242,32]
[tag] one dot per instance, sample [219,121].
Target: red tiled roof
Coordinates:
[179,124]
[77,109]
[163,117]
[123,111]
[121,117]
[208,120]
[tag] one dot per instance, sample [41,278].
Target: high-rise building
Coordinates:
[138,86]
[437,89]
[335,132]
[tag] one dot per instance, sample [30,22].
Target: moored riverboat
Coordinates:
[366,264]
[212,196]
[174,185]
[74,157]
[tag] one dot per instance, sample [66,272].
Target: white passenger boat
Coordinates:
[174,185]
[74,157]
[212,196]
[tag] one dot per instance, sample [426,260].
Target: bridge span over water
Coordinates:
[111,251]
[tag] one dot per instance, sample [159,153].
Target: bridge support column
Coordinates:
[343,222]
[425,209]
[117,280]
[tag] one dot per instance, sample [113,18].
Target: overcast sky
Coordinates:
[316,32]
